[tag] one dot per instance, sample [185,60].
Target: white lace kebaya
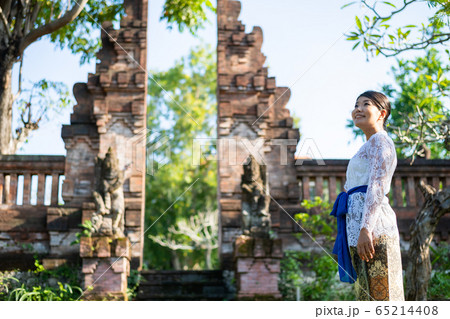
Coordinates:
[373,165]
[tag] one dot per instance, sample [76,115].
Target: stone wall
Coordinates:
[31,222]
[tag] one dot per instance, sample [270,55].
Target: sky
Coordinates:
[306,51]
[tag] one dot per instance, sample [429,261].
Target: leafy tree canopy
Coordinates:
[378,36]
[181,109]
[420,114]
[190,14]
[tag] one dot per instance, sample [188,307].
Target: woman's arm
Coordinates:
[381,158]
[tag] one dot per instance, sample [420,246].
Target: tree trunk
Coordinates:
[208,258]
[418,272]
[12,46]
[6,102]
[175,260]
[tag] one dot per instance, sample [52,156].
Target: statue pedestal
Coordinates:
[257,265]
[106,266]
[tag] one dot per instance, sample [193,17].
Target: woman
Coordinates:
[370,223]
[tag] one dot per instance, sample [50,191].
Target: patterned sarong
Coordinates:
[380,278]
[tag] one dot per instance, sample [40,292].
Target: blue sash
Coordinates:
[346,271]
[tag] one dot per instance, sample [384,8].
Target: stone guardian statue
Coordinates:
[109,219]
[255,200]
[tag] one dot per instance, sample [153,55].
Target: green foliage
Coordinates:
[64,273]
[5,285]
[183,111]
[65,292]
[378,34]
[133,283]
[27,247]
[420,83]
[38,105]
[291,275]
[36,285]
[188,14]
[39,266]
[439,285]
[296,119]
[316,276]
[199,232]
[317,221]
[87,230]
[81,36]
[46,95]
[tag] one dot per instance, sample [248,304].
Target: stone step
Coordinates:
[181,276]
[182,285]
[177,297]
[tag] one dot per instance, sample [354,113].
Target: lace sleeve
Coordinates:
[381,159]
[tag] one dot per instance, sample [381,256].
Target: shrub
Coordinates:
[439,285]
[41,284]
[133,284]
[313,276]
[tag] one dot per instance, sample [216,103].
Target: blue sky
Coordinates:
[305,50]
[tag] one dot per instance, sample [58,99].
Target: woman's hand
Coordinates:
[365,247]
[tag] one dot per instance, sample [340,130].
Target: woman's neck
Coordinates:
[372,131]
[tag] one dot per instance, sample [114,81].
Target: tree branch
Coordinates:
[28,127]
[169,243]
[429,36]
[34,15]
[31,17]
[5,5]
[379,17]
[415,46]
[5,23]
[52,26]
[18,13]
[19,90]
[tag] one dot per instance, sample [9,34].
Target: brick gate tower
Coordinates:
[252,115]
[111,112]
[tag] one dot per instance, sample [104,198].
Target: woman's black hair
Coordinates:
[380,101]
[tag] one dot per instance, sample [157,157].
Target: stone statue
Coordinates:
[255,200]
[108,220]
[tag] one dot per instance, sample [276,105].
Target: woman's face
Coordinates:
[366,115]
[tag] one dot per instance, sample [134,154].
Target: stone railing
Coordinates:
[30,180]
[405,196]
[31,212]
